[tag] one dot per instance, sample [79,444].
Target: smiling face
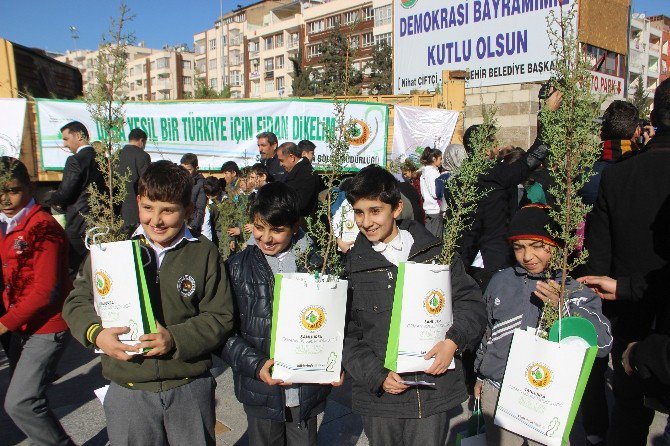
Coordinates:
[272,240]
[532,255]
[376,219]
[162,221]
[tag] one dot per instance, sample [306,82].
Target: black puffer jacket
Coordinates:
[249,347]
[372,280]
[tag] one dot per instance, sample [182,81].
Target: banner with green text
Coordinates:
[220,131]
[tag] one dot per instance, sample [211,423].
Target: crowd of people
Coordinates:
[207,303]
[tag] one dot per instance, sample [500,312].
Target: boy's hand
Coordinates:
[248,228]
[344,246]
[3,329]
[266,376]
[234,231]
[108,342]
[603,286]
[625,359]
[392,384]
[340,382]
[160,343]
[478,389]
[443,352]
[548,291]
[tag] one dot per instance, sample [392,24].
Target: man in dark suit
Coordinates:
[628,239]
[133,160]
[299,177]
[81,170]
[267,148]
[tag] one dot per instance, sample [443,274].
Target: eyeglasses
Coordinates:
[11,190]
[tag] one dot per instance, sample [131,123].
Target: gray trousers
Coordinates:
[429,431]
[180,416]
[33,359]
[290,433]
[435,224]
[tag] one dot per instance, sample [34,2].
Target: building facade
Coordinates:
[644,58]
[662,22]
[151,74]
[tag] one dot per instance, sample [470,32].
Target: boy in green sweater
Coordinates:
[166,394]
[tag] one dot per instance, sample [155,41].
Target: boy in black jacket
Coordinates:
[392,412]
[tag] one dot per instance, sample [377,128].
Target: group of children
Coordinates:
[162,390]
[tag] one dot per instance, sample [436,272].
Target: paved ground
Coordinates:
[82,416]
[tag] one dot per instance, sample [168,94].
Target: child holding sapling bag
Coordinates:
[395,410]
[277,412]
[515,298]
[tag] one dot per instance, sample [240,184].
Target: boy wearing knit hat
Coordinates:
[515,298]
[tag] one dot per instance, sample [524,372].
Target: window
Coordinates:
[186,64]
[383,15]
[268,43]
[279,62]
[279,83]
[386,37]
[350,17]
[368,39]
[316,27]
[368,13]
[314,50]
[163,62]
[253,47]
[269,86]
[130,72]
[153,96]
[235,78]
[332,21]
[187,80]
[212,64]
[212,44]
[268,64]
[353,42]
[213,82]
[257,88]
[224,40]
[279,40]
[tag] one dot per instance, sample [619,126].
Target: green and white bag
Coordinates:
[421,315]
[544,381]
[120,293]
[308,316]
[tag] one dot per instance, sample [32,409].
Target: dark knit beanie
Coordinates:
[530,223]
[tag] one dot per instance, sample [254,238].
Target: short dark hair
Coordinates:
[231,166]
[137,135]
[306,146]
[620,121]
[660,115]
[290,148]
[277,204]
[212,186]
[259,169]
[374,182]
[17,170]
[76,127]
[190,159]
[271,137]
[429,155]
[166,181]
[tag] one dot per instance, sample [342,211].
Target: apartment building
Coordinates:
[221,52]
[151,74]
[644,59]
[662,22]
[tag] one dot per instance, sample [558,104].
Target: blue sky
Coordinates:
[45,23]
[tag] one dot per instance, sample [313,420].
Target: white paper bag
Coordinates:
[422,314]
[307,328]
[344,224]
[120,293]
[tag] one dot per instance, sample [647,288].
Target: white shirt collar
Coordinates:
[398,249]
[395,244]
[185,233]
[83,147]
[14,221]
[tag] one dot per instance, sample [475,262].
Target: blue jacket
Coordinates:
[511,304]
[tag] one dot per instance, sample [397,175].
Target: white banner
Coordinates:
[415,128]
[220,131]
[499,41]
[12,119]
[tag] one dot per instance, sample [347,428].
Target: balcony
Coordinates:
[254,75]
[236,61]
[269,75]
[293,44]
[163,85]
[199,49]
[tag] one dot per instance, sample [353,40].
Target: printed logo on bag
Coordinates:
[103,284]
[186,286]
[313,317]
[538,375]
[349,225]
[434,302]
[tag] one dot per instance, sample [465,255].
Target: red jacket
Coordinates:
[35,274]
